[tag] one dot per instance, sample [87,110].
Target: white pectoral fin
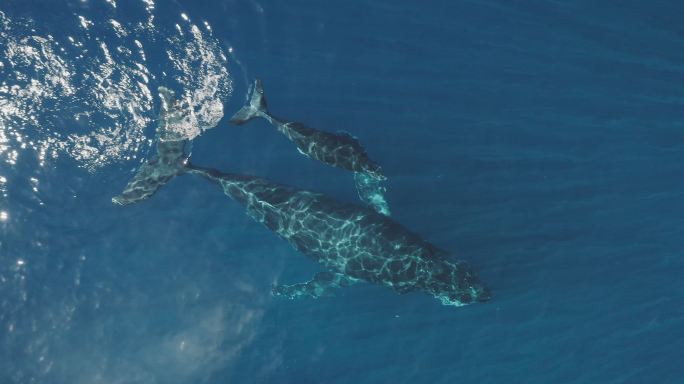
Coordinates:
[302,152]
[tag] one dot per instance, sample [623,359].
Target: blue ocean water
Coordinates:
[541,141]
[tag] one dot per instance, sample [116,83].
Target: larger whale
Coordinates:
[352,243]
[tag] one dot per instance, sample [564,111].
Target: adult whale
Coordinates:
[353,243]
[340,150]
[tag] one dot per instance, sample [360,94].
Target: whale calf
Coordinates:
[340,150]
[351,242]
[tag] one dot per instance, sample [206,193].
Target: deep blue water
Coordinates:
[539,140]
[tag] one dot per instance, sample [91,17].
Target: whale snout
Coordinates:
[474,294]
[481,293]
[458,285]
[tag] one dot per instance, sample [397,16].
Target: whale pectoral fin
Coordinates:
[318,286]
[302,152]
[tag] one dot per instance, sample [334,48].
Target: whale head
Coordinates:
[456,284]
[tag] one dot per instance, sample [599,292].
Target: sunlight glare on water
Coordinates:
[91,95]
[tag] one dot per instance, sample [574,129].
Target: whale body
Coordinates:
[351,242]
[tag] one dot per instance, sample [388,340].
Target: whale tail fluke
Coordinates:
[170,161]
[255,108]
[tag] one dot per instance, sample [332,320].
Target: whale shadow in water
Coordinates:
[353,243]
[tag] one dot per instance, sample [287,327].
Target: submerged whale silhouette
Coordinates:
[340,150]
[353,243]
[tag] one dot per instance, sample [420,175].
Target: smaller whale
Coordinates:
[340,150]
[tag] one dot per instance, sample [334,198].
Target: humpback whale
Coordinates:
[352,243]
[340,150]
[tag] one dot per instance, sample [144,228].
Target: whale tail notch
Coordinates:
[256,107]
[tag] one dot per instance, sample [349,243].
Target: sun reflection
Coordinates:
[74,95]
[4,216]
[12,157]
[85,23]
[34,184]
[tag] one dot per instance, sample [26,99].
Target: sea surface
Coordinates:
[541,141]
